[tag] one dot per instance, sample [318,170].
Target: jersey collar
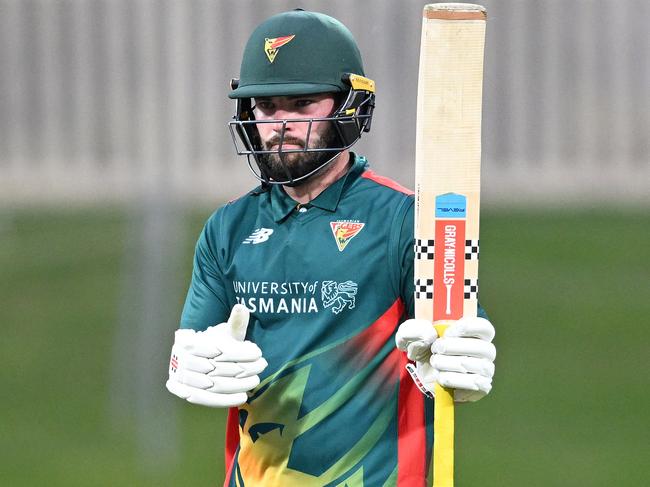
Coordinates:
[282,204]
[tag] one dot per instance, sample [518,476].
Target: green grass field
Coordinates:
[569,294]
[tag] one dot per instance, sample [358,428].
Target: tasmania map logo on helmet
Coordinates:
[271,46]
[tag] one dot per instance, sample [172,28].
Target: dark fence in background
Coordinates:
[110,99]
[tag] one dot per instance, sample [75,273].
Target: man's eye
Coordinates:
[304,102]
[264,105]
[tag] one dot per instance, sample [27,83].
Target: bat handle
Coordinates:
[443,426]
[441,328]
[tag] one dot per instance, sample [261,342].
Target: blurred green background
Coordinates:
[114,150]
[568,293]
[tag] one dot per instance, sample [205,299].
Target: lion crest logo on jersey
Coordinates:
[344,231]
[338,296]
[271,46]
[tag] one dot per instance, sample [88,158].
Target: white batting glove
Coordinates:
[463,359]
[216,367]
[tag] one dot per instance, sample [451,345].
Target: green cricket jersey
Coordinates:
[327,284]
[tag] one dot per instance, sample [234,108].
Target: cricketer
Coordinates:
[302,288]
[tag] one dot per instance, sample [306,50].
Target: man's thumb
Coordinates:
[238,322]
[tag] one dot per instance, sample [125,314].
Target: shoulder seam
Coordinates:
[386,182]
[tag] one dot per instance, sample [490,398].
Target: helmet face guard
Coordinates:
[348,122]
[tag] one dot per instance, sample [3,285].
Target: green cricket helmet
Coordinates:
[301,53]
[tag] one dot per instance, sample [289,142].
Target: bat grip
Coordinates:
[441,328]
[443,442]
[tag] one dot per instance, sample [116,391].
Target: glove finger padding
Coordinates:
[467,382]
[462,365]
[471,328]
[204,398]
[178,389]
[193,342]
[419,351]
[239,352]
[192,379]
[415,337]
[467,387]
[213,400]
[219,384]
[463,395]
[229,385]
[187,361]
[238,369]
[471,347]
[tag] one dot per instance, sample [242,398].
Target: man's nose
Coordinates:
[281,116]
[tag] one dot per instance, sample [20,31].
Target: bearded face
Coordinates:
[282,166]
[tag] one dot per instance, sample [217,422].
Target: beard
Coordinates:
[294,165]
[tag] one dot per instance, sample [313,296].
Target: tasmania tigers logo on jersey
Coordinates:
[271,46]
[344,231]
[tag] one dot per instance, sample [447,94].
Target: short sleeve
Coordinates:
[206,302]
[406,255]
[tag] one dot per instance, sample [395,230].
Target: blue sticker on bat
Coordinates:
[451,205]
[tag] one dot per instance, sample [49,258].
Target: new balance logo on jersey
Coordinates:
[258,236]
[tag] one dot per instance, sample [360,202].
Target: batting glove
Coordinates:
[463,359]
[216,367]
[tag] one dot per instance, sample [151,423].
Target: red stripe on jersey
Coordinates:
[384,181]
[411,431]
[232,442]
[369,342]
[411,427]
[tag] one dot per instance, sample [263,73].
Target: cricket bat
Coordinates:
[447,187]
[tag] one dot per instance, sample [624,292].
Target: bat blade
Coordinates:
[447,185]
